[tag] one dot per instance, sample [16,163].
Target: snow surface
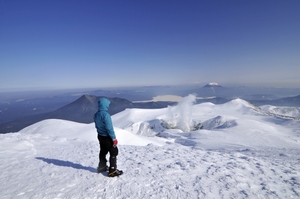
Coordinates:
[232,150]
[283,110]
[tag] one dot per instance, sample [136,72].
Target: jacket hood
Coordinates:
[103,104]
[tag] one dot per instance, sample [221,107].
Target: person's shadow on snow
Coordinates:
[64,163]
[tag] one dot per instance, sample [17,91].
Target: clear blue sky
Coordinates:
[81,43]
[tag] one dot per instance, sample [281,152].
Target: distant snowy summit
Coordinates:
[212,84]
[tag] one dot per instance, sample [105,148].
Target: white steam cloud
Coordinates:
[180,116]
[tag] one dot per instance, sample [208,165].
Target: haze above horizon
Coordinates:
[79,44]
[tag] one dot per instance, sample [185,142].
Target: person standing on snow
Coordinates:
[107,139]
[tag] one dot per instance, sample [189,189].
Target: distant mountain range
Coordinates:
[83,109]
[287,101]
[18,105]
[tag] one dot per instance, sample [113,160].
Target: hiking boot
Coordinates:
[102,169]
[115,173]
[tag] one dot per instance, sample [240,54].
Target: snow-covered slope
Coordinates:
[233,150]
[282,111]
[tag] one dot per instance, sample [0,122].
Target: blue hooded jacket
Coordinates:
[102,119]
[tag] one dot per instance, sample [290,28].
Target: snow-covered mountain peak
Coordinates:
[242,105]
[213,84]
[239,102]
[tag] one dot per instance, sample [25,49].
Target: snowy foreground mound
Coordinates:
[233,150]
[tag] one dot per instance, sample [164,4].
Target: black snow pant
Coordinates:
[106,145]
